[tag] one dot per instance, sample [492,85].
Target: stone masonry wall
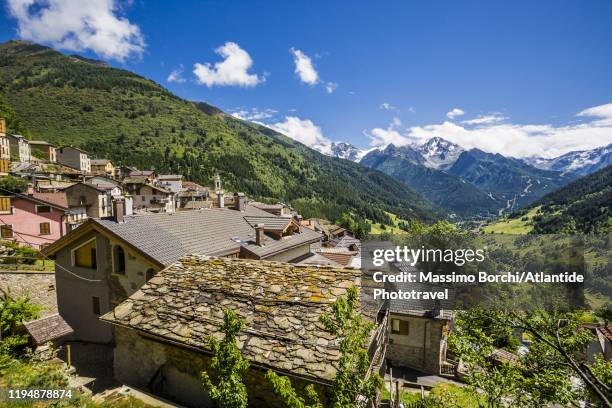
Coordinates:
[174,373]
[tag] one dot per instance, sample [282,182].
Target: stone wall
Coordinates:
[174,373]
[420,348]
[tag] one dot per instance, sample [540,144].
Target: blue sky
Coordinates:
[534,75]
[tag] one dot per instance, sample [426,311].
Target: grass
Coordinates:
[25,374]
[443,394]
[393,228]
[517,226]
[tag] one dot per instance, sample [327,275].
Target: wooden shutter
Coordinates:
[5,205]
[45,228]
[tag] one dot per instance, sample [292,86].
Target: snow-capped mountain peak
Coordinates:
[579,162]
[439,153]
[346,151]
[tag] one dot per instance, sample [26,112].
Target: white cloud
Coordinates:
[304,67]
[602,112]
[387,106]
[233,70]
[330,87]
[304,131]
[78,25]
[455,112]
[517,140]
[391,135]
[485,119]
[176,75]
[254,114]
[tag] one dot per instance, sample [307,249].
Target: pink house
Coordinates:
[37,219]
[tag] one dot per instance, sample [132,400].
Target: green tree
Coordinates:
[12,184]
[352,330]
[540,377]
[283,388]
[13,312]
[229,390]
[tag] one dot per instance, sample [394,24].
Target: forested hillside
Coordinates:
[119,115]
[583,206]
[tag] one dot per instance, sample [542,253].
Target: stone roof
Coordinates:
[170,177]
[166,237]
[47,329]
[281,304]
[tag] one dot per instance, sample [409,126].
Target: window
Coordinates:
[119,258]
[6,231]
[149,274]
[399,327]
[395,326]
[5,205]
[85,256]
[45,228]
[43,209]
[95,303]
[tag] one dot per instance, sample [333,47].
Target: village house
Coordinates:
[5,150]
[192,192]
[44,150]
[418,329]
[172,182]
[117,256]
[20,148]
[37,219]
[96,198]
[102,167]
[279,209]
[328,229]
[74,157]
[162,330]
[148,197]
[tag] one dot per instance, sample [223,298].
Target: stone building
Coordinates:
[20,148]
[75,158]
[44,150]
[5,150]
[418,330]
[162,330]
[116,256]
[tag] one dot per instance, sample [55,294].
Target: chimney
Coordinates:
[118,209]
[2,125]
[30,189]
[217,182]
[220,199]
[259,234]
[240,201]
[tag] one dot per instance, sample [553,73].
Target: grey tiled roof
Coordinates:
[416,307]
[270,223]
[166,237]
[47,329]
[281,304]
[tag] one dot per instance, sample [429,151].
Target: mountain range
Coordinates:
[474,183]
[116,114]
